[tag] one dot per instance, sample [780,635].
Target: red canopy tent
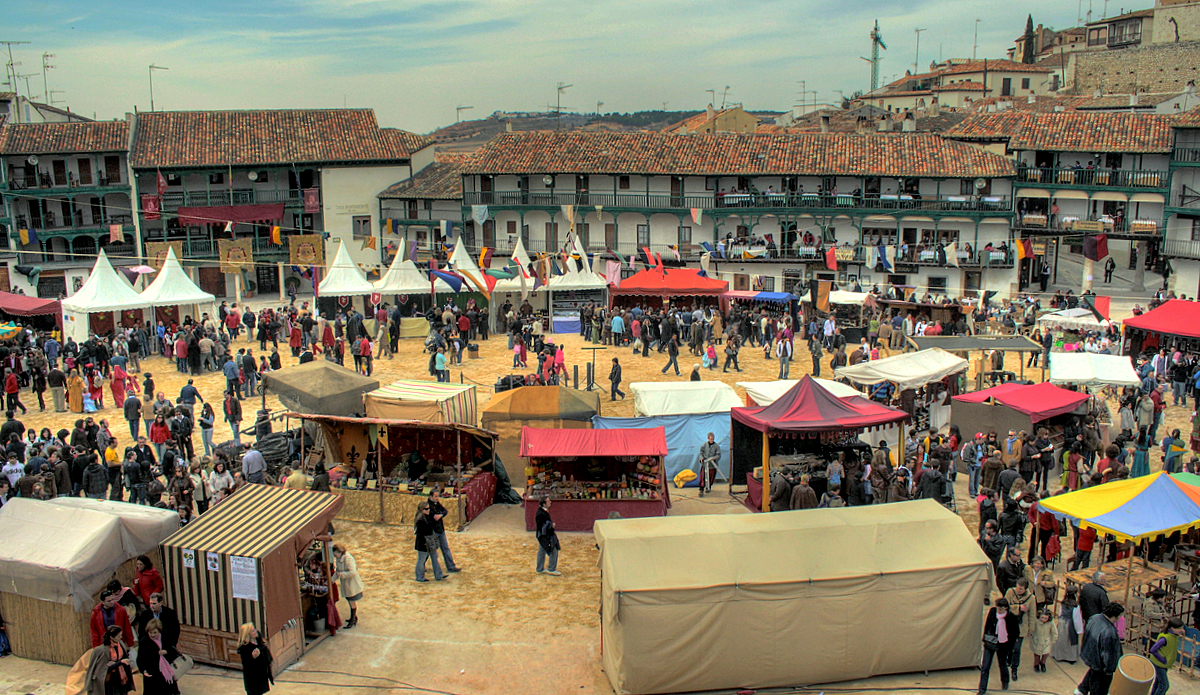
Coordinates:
[1163,326]
[24,305]
[589,474]
[669,282]
[1038,401]
[806,411]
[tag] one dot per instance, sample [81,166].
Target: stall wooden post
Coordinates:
[766,477]
[1129,573]
[458,473]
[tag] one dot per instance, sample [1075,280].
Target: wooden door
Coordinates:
[676,190]
[610,236]
[85,172]
[112,169]
[60,172]
[489,233]
[741,282]
[212,280]
[551,237]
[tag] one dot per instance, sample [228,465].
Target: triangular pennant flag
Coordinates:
[889,258]
[831,258]
[451,279]
[485,258]
[447,228]
[28,236]
[708,247]
[389,226]
[698,215]
[619,257]
[1024,249]
[675,250]
[276,236]
[1095,248]
[952,254]
[662,269]
[568,213]
[229,227]
[479,213]
[368,243]
[649,256]
[412,250]
[521,258]
[705,261]
[613,273]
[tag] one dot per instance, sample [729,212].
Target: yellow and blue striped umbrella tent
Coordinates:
[9,331]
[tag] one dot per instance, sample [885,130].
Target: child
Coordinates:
[710,354]
[1042,639]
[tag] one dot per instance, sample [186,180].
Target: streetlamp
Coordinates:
[151,71]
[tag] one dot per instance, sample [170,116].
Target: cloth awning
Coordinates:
[1031,193]
[424,400]
[773,297]
[767,392]
[1110,195]
[172,286]
[542,403]
[1073,319]
[652,398]
[1038,401]
[907,370]
[809,408]
[537,442]
[321,387]
[404,277]
[841,297]
[104,290]
[1147,198]
[66,550]
[670,282]
[1174,317]
[24,305]
[220,214]
[1134,509]
[967,343]
[1087,369]
[1071,195]
[344,278]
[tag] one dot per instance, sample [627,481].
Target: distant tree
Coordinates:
[1027,55]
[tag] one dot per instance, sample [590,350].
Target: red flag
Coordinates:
[662,269]
[151,206]
[831,258]
[162,184]
[649,256]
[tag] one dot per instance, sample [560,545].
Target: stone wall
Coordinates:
[1154,68]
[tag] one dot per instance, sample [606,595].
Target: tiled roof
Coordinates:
[989,126]
[1040,104]
[64,138]
[1070,131]
[1187,119]
[1121,101]
[1128,15]
[434,182]
[1078,131]
[993,66]
[909,154]
[240,138]
[406,142]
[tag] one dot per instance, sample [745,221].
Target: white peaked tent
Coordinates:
[104,291]
[343,278]
[404,277]
[172,286]
[462,263]
[908,370]
[574,280]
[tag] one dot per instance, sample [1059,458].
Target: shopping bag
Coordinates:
[182,664]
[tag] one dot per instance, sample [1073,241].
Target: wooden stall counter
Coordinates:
[579,515]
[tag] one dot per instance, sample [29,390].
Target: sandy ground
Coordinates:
[496,627]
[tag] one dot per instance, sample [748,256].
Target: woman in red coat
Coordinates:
[119,375]
[146,580]
[95,383]
[294,341]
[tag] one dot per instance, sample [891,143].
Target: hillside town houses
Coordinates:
[944,213]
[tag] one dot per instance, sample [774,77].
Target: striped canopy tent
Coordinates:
[1135,510]
[427,401]
[236,564]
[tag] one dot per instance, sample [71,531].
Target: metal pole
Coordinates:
[461,491]
[766,477]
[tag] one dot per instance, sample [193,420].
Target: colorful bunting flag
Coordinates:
[952,254]
[28,236]
[698,216]
[831,258]
[277,235]
[389,226]
[485,258]
[116,234]
[675,250]
[412,249]
[368,243]
[1024,249]
[162,183]
[613,273]
[1095,248]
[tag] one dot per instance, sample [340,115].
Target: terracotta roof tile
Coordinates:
[1187,119]
[908,154]
[434,182]
[406,142]
[1079,131]
[989,126]
[1121,101]
[240,138]
[994,66]
[64,138]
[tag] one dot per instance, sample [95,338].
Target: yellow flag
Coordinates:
[276,237]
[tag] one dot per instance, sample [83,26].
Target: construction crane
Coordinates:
[458,112]
[874,60]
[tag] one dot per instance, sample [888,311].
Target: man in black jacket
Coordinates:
[167,616]
[1009,570]
[181,430]
[437,513]
[1093,598]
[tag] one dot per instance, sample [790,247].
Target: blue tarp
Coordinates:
[562,324]
[685,434]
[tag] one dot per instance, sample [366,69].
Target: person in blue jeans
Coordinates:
[547,539]
[426,543]
[439,365]
[437,512]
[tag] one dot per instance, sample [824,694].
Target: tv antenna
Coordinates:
[724,94]
[558,107]
[458,112]
[46,66]
[917,55]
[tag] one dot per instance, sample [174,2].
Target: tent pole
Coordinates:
[458,443]
[1129,572]
[766,477]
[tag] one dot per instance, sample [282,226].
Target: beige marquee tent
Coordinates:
[776,600]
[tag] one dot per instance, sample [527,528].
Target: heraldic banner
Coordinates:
[156,252]
[306,250]
[236,255]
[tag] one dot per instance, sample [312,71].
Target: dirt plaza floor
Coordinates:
[497,627]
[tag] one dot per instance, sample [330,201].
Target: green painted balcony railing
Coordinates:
[760,201]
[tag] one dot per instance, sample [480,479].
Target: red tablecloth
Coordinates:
[578,515]
[754,490]
[479,492]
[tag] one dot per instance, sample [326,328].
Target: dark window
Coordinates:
[216,179]
[1113,160]
[897,279]
[937,284]
[623,183]
[262,177]
[685,235]
[360,226]
[1006,87]
[174,180]
[1024,83]
[871,185]
[85,172]
[643,235]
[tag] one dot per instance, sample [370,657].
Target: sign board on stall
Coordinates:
[243,574]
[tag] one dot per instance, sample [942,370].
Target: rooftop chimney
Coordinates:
[1133,99]
[824,123]
[711,113]
[935,109]
[884,125]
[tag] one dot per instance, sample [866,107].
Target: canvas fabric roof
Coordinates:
[1087,369]
[669,282]
[24,305]
[907,370]
[573,280]
[542,403]
[104,290]
[809,408]
[1174,317]
[537,442]
[66,550]
[966,343]
[320,387]
[255,520]
[428,401]
[464,265]
[1038,401]
[172,286]
[767,392]
[1073,319]
[343,278]
[837,579]
[403,277]
[651,398]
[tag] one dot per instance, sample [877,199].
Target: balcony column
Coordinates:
[1139,268]
[1089,267]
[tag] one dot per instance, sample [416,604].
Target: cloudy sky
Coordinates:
[414,61]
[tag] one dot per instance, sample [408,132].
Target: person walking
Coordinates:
[710,457]
[783,350]
[1163,654]
[346,575]
[426,543]
[672,354]
[614,376]
[548,545]
[109,671]
[1023,604]
[437,512]
[817,352]
[233,414]
[133,413]
[154,660]
[732,345]
[256,661]
[999,636]
[1101,651]
[57,381]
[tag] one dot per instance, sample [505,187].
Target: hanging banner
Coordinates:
[479,213]
[305,250]
[151,206]
[698,215]
[156,252]
[312,200]
[243,574]
[116,233]
[236,255]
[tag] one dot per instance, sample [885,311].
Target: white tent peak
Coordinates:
[172,286]
[343,278]
[404,277]
[104,290]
